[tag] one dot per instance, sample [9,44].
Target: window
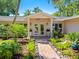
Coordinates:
[57,26]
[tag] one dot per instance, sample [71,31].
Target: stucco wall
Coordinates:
[71,25]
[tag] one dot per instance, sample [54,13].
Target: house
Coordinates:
[42,24]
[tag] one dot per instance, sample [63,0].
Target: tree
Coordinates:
[66,7]
[27,12]
[16,12]
[7,7]
[37,9]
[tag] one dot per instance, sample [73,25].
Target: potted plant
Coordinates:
[74,37]
[48,30]
[30,30]
[75,45]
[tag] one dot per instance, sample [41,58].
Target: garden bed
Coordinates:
[63,48]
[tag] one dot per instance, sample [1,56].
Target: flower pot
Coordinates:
[75,46]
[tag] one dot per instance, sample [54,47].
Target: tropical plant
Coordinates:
[7,7]
[63,45]
[8,48]
[37,10]
[4,31]
[74,37]
[75,57]
[68,52]
[31,48]
[66,7]
[16,11]
[27,12]
[18,30]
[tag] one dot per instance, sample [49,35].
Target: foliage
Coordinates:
[7,7]
[31,46]
[18,30]
[4,31]
[58,34]
[60,43]
[66,7]
[68,52]
[29,56]
[8,48]
[63,45]
[31,49]
[36,10]
[16,11]
[73,36]
[27,12]
[54,41]
[75,57]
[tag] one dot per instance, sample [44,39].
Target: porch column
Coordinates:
[51,20]
[62,27]
[28,27]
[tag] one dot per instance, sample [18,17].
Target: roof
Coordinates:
[65,18]
[11,18]
[40,15]
[23,19]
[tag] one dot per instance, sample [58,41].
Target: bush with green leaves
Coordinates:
[75,57]
[31,49]
[72,36]
[57,34]
[54,40]
[8,48]
[68,52]
[31,46]
[63,45]
[18,30]
[4,31]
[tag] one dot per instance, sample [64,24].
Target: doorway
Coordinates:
[39,30]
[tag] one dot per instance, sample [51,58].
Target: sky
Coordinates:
[42,4]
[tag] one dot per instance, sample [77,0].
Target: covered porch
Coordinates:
[40,24]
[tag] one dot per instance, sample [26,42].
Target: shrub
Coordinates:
[54,40]
[18,30]
[31,49]
[58,34]
[8,48]
[4,31]
[72,36]
[63,45]
[31,46]
[75,57]
[68,52]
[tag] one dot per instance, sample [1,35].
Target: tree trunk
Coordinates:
[16,12]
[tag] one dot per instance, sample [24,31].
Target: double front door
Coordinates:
[39,30]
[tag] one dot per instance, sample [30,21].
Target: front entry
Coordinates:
[39,30]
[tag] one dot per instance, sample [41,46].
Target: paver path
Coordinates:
[47,52]
[44,49]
